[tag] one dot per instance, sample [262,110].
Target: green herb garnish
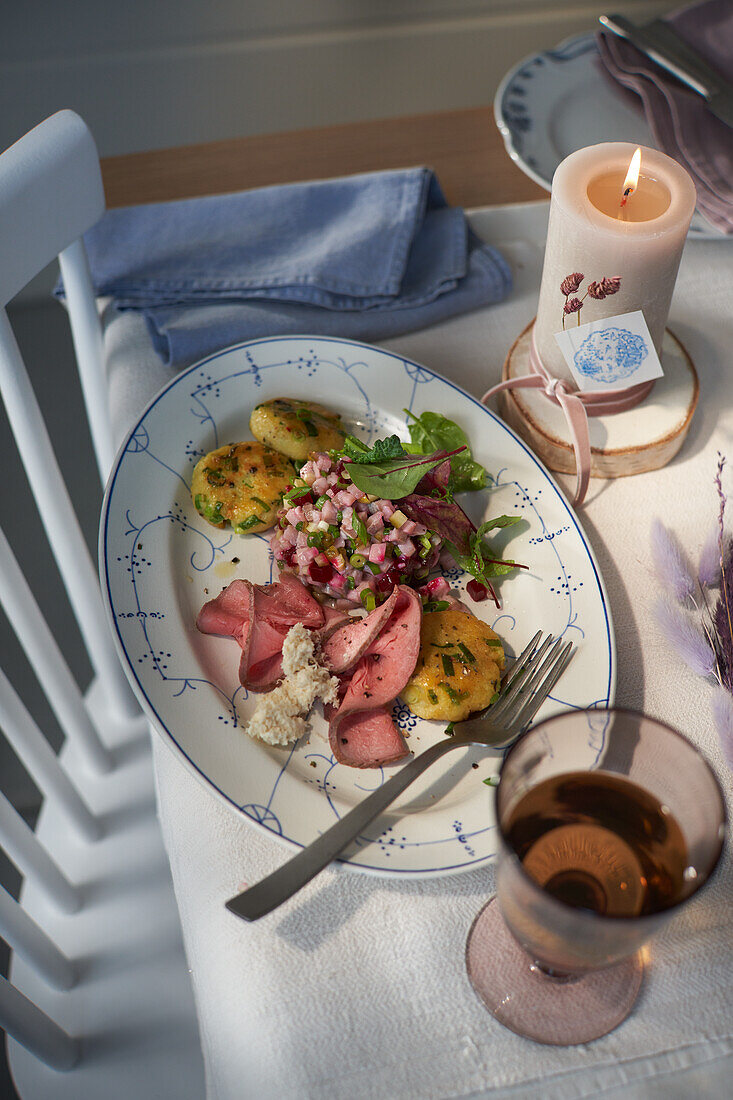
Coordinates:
[360,531]
[453,695]
[248,523]
[383,450]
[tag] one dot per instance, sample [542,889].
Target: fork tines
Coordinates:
[532,676]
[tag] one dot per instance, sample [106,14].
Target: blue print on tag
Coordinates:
[610,354]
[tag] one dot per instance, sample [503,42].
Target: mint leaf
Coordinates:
[430,431]
[383,450]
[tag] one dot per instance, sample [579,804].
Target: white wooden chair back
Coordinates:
[97,918]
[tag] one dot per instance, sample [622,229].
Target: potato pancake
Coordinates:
[241,486]
[459,667]
[296,428]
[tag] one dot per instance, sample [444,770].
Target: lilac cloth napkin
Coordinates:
[682,125]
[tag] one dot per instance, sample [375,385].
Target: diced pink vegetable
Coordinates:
[377,552]
[329,512]
[305,555]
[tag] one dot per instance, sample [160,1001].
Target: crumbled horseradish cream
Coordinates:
[280,715]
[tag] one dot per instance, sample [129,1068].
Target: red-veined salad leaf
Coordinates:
[441,517]
[435,480]
[394,479]
[431,431]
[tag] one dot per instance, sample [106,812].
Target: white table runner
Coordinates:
[356,987]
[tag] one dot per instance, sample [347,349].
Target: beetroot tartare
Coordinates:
[349,545]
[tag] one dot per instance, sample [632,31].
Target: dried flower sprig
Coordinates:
[598,290]
[695,614]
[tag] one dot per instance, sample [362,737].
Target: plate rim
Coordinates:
[700,228]
[147,705]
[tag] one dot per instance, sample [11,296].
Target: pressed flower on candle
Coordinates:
[598,291]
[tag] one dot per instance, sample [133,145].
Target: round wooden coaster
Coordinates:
[644,438]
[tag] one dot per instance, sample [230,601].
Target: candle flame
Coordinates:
[632,176]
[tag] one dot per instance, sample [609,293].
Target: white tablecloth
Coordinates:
[357,987]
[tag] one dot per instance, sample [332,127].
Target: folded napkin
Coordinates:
[367,257]
[682,125]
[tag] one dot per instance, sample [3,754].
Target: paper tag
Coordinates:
[610,354]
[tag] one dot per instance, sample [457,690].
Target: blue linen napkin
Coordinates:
[364,257]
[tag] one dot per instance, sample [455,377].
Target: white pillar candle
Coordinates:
[594,234]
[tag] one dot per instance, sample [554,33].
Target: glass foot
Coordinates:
[528,1002]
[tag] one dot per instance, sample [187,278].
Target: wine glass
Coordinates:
[609,821]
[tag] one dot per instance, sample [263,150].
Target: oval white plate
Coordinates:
[557,101]
[159,562]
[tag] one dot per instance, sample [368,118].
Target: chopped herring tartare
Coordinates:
[352,546]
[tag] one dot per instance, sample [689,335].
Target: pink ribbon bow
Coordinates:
[577,407]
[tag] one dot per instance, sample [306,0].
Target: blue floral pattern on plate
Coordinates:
[159,562]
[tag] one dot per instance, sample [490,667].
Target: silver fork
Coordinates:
[524,688]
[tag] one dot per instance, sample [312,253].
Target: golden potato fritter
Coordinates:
[241,486]
[296,428]
[458,669]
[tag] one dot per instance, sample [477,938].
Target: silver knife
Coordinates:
[664,46]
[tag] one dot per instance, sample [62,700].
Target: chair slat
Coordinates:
[23,935]
[23,848]
[46,658]
[50,193]
[62,527]
[35,1030]
[41,762]
[86,331]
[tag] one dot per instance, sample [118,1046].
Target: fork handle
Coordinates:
[266,895]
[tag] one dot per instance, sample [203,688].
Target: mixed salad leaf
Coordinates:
[395,478]
[423,474]
[430,431]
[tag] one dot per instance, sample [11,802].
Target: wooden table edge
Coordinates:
[464,147]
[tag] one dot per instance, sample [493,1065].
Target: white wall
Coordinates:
[153,73]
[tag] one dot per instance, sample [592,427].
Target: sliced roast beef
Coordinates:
[287,602]
[367,739]
[363,721]
[334,619]
[259,616]
[374,656]
[346,645]
[263,667]
[390,660]
[229,611]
